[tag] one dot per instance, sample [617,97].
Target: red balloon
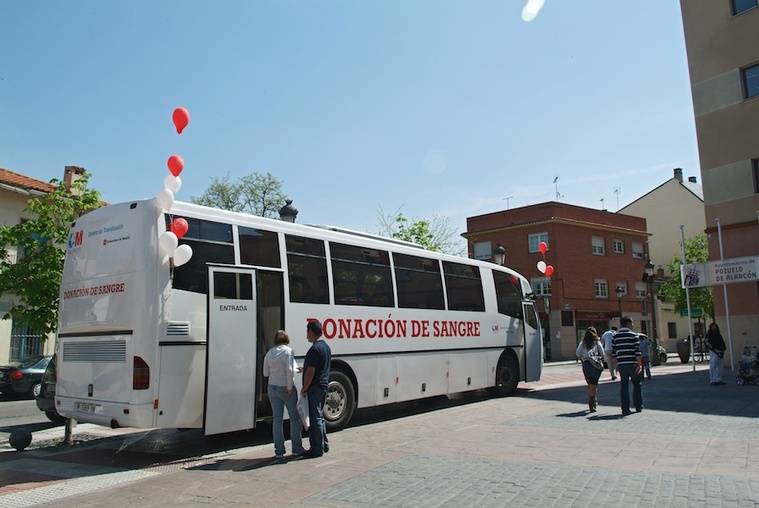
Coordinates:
[542,247]
[179,227]
[549,270]
[176,165]
[181,118]
[514,280]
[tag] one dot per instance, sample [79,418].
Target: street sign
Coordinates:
[715,273]
[694,312]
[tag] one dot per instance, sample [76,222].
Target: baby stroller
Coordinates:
[748,368]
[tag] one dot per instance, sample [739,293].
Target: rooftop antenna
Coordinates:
[617,192]
[556,187]
[603,207]
[508,198]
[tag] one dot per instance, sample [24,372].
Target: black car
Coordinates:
[46,397]
[25,377]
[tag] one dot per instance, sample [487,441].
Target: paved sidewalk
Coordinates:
[694,444]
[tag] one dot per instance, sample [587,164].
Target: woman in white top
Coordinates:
[279,367]
[590,352]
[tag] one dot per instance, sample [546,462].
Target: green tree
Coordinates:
[696,251]
[435,234]
[257,193]
[33,275]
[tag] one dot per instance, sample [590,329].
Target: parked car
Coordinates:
[24,378]
[46,397]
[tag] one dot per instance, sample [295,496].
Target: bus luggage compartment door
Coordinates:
[231,353]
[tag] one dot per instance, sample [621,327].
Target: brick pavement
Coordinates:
[693,444]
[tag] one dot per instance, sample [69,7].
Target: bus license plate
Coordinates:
[87,407]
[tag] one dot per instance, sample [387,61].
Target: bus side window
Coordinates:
[464,287]
[420,285]
[193,276]
[207,230]
[508,293]
[361,276]
[258,247]
[307,270]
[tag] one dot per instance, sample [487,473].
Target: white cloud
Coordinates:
[531,9]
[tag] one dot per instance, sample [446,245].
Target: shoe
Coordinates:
[279,456]
[326,448]
[638,409]
[614,378]
[308,454]
[299,454]
[626,413]
[721,383]
[714,383]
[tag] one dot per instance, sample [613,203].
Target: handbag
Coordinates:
[596,358]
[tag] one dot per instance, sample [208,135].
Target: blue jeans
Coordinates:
[317,431]
[647,367]
[627,374]
[279,398]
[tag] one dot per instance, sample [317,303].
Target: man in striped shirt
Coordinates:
[626,351]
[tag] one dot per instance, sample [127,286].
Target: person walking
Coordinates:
[315,381]
[626,350]
[279,368]
[716,345]
[590,352]
[610,360]
[645,347]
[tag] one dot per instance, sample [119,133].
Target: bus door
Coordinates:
[533,343]
[231,350]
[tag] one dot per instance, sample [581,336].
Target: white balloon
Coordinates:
[173,183]
[542,266]
[182,255]
[167,243]
[165,199]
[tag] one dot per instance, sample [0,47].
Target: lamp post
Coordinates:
[648,278]
[620,293]
[499,255]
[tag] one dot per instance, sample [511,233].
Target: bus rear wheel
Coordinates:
[340,401]
[506,376]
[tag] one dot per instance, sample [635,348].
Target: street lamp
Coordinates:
[649,278]
[499,255]
[620,293]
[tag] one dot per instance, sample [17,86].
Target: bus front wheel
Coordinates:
[506,375]
[340,401]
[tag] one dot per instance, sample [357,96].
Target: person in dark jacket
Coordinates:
[315,381]
[716,345]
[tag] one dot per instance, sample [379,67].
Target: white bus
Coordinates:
[144,344]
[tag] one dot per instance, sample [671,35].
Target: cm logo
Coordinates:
[76,238]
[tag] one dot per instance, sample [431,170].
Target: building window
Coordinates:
[306,270]
[599,247]
[620,289]
[672,330]
[483,251]
[361,276]
[541,286]
[535,239]
[508,291]
[463,286]
[640,289]
[618,246]
[755,163]
[602,288]
[751,81]
[25,343]
[740,6]
[637,250]
[420,285]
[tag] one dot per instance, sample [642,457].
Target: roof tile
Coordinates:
[24,182]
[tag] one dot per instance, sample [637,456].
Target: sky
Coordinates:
[437,107]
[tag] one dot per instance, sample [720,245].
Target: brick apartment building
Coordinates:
[594,252]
